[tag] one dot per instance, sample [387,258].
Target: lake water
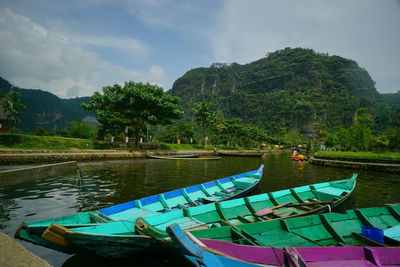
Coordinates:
[112,182]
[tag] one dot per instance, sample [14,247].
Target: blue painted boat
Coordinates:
[196,195]
[126,237]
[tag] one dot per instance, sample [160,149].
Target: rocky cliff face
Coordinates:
[291,88]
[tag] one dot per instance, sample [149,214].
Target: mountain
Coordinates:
[294,88]
[47,110]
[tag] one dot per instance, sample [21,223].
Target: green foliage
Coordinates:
[12,107]
[44,109]
[294,137]
[369,155]
[204,117]
[79,129]
[25,141]
[40,131]
[332,140]
[290,88]
[134,105]
[183,132]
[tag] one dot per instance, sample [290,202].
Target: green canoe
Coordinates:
[289,203]
[330,229]
[195,195]
[120,239]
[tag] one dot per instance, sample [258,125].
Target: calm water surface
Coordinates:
[112,182]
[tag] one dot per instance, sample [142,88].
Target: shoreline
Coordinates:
[21,157]
[367,164]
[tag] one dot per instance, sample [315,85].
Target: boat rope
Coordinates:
[83,189]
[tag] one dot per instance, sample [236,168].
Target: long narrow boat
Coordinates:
[216,253]
[329,229]
[121,239]
[182,157]
[174,156]
[196,195]
[239,154]
[289,203]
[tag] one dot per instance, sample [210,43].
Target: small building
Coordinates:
[4,122]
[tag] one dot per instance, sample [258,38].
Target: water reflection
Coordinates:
[108,183]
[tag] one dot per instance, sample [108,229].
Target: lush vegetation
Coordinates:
[289,97]
[26,141]
[43,109]
[133,106]
[294,89]
[368,155]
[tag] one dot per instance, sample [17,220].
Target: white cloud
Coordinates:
[31,56]
[363,30]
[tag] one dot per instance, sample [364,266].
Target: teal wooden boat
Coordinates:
[393,233]
[196,195]
[289,203]
[121,239]
[330,229]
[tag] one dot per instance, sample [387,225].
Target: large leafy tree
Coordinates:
[204,117]
[135,105]
[12,107]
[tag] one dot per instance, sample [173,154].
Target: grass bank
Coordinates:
[26,141]
[366,155]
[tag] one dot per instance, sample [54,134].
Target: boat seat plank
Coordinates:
[132,213]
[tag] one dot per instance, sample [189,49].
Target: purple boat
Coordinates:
[213,253]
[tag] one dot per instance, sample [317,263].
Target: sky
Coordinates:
[74,48]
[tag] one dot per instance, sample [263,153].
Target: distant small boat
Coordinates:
[175,156]
[239,154]
[215,253]
[96,232]
[183,157]
[298,157]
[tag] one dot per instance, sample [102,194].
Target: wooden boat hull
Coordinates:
[239,154]
[148,206]
[330,229]
[132,230]
[284,204]
[208,252]
[183,158]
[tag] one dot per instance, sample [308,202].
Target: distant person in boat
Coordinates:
[295,153]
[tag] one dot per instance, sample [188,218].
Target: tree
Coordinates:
[135,105]
[12,107]
[204,117]
[80,130]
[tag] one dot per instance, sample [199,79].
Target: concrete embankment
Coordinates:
[371,166]
[9,157]
[14,254]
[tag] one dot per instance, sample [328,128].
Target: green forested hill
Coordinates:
[45,109]
[291,88]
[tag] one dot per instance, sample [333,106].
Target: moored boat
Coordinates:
[174,156]
[213,253]
[126,237]
[239,154]
[288,203]
[329,229]
[126,213]
[182,157]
